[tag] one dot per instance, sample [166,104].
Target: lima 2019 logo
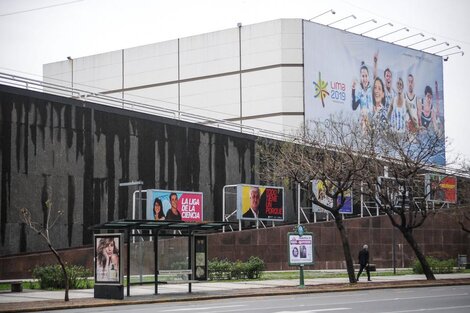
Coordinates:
[337,90]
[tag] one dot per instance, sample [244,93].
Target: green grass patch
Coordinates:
[319,274]
[26,285]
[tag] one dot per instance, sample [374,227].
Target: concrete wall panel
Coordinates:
[151,64]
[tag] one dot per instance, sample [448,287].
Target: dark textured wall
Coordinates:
[76,153]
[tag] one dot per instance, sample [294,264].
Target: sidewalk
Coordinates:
[37,300]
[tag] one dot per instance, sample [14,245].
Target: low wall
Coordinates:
[440,237]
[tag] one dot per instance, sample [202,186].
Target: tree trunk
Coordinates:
[346,249]
[421,258]
[59,259]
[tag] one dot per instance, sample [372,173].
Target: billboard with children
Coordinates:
[174,205]
[366,78]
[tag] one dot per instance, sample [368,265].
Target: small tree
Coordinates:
[463,205]
[463,218]
[329,152]
[43,231]
[394,178]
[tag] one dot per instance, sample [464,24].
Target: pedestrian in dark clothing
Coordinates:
[364,262]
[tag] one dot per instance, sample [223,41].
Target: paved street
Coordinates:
[36,300]
[449,299]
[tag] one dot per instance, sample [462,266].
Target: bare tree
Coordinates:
[329,152]
[462,208]
[43,231]
[463,218]
[394,178]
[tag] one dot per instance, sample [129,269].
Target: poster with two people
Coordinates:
[173,205]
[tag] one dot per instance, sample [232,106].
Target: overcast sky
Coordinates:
[35,32]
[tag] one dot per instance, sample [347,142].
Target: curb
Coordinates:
[36,306]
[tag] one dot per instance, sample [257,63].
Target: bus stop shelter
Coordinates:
[155,230]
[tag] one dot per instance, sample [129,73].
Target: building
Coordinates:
[250,75]
[267,77]
[273,76]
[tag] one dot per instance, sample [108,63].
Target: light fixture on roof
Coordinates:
[456,46]
[371,20]
[342,19]
[387,24]
[330,10]
[438,44]
[420,34]
[69,58]
[395,31]
[446,57]
[432,38]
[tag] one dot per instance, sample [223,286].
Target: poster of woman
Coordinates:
[107,258]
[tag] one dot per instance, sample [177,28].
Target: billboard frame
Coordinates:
[117,278]
[150,198]
[428,191]
[309,248]
[240,203]
[344,210]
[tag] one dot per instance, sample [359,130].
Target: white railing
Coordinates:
[100,98]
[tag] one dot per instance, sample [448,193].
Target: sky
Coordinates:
[36,32]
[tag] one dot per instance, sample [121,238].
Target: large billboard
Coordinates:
[319,190]
[174,205]
[441,188]
[260,202]
[367,78]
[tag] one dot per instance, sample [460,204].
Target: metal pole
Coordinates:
[298,204]
[141,259]
[190,260]
[302,285]
[140,201]
[393,251]
[141,242]
[155,249]
[362,200]
[128,262]
[240,76]
[223,208]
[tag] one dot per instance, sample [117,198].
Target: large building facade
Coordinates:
[250,75]
[274,76]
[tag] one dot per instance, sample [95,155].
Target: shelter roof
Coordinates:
[182,226]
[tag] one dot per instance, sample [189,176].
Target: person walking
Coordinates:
[364,262]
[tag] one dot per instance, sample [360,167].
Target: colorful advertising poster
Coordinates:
[174,205]
[319,191]
[300,249]
[369,79]
[441,188]
[260,202]
[108,249]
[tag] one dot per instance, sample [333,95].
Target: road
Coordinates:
[451,299]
